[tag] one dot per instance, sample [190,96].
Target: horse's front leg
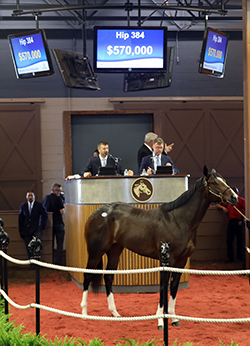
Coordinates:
[172,300]
[160,306]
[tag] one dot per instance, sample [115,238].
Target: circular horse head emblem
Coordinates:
[142,190]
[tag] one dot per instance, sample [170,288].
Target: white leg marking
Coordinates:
[171,308]
[111,305]
[84,302]
[160,312]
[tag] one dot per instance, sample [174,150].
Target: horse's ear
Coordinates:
[205,171]
[213,170]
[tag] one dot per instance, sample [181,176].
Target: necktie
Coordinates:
[158,162]
[30,209]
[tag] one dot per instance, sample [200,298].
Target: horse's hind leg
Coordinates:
[94,263]
[113,259]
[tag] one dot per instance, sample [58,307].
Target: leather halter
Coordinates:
[217,194]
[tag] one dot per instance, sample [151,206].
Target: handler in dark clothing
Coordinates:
[32,219]
[54,203]
[235,228]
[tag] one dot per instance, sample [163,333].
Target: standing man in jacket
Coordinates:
[33,219]
[147,147]
[54,203]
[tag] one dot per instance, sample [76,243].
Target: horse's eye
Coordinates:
[214,183]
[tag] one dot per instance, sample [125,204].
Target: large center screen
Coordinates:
[130,49]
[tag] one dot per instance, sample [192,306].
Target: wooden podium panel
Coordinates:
[82,196]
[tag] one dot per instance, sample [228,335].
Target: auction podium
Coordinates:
[85,195]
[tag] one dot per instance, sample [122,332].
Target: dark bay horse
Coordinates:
[116,226]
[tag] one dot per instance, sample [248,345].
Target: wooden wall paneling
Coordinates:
[246,91]
[204,133]
[185,127]
[211,237]
[20,155]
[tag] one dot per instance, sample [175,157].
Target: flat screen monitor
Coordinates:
[107,170]
[213,53]
[130,49]
[150,80]
[75,69]
[164,170]
[30,54]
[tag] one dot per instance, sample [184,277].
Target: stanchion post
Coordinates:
[4,242]
[37,299]
[165,277]
[35,246]
[247,246]
[1,261]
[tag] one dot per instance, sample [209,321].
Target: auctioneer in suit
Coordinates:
[148,161]
[94,165]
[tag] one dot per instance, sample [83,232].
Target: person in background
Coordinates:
[235,228]
[54,203]
[102,160]
[147,147]
[150,162]
[32,219]
[96,153]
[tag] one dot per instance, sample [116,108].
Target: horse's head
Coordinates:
[218,189]
[144,188]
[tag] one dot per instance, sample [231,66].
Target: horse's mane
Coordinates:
[183,198]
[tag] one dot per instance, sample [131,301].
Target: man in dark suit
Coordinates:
[33,218]
[147,147]
[102,160]
[54,203]
[150,162]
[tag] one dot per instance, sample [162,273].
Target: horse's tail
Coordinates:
[97,278]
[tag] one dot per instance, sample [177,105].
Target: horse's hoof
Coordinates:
[160,327]
[176,324]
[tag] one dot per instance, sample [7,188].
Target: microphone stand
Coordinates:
[153,158]
[116,161]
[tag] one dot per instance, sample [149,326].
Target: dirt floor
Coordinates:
[207,296]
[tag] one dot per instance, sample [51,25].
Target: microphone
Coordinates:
[154,161]
[153,157]
[116,159]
